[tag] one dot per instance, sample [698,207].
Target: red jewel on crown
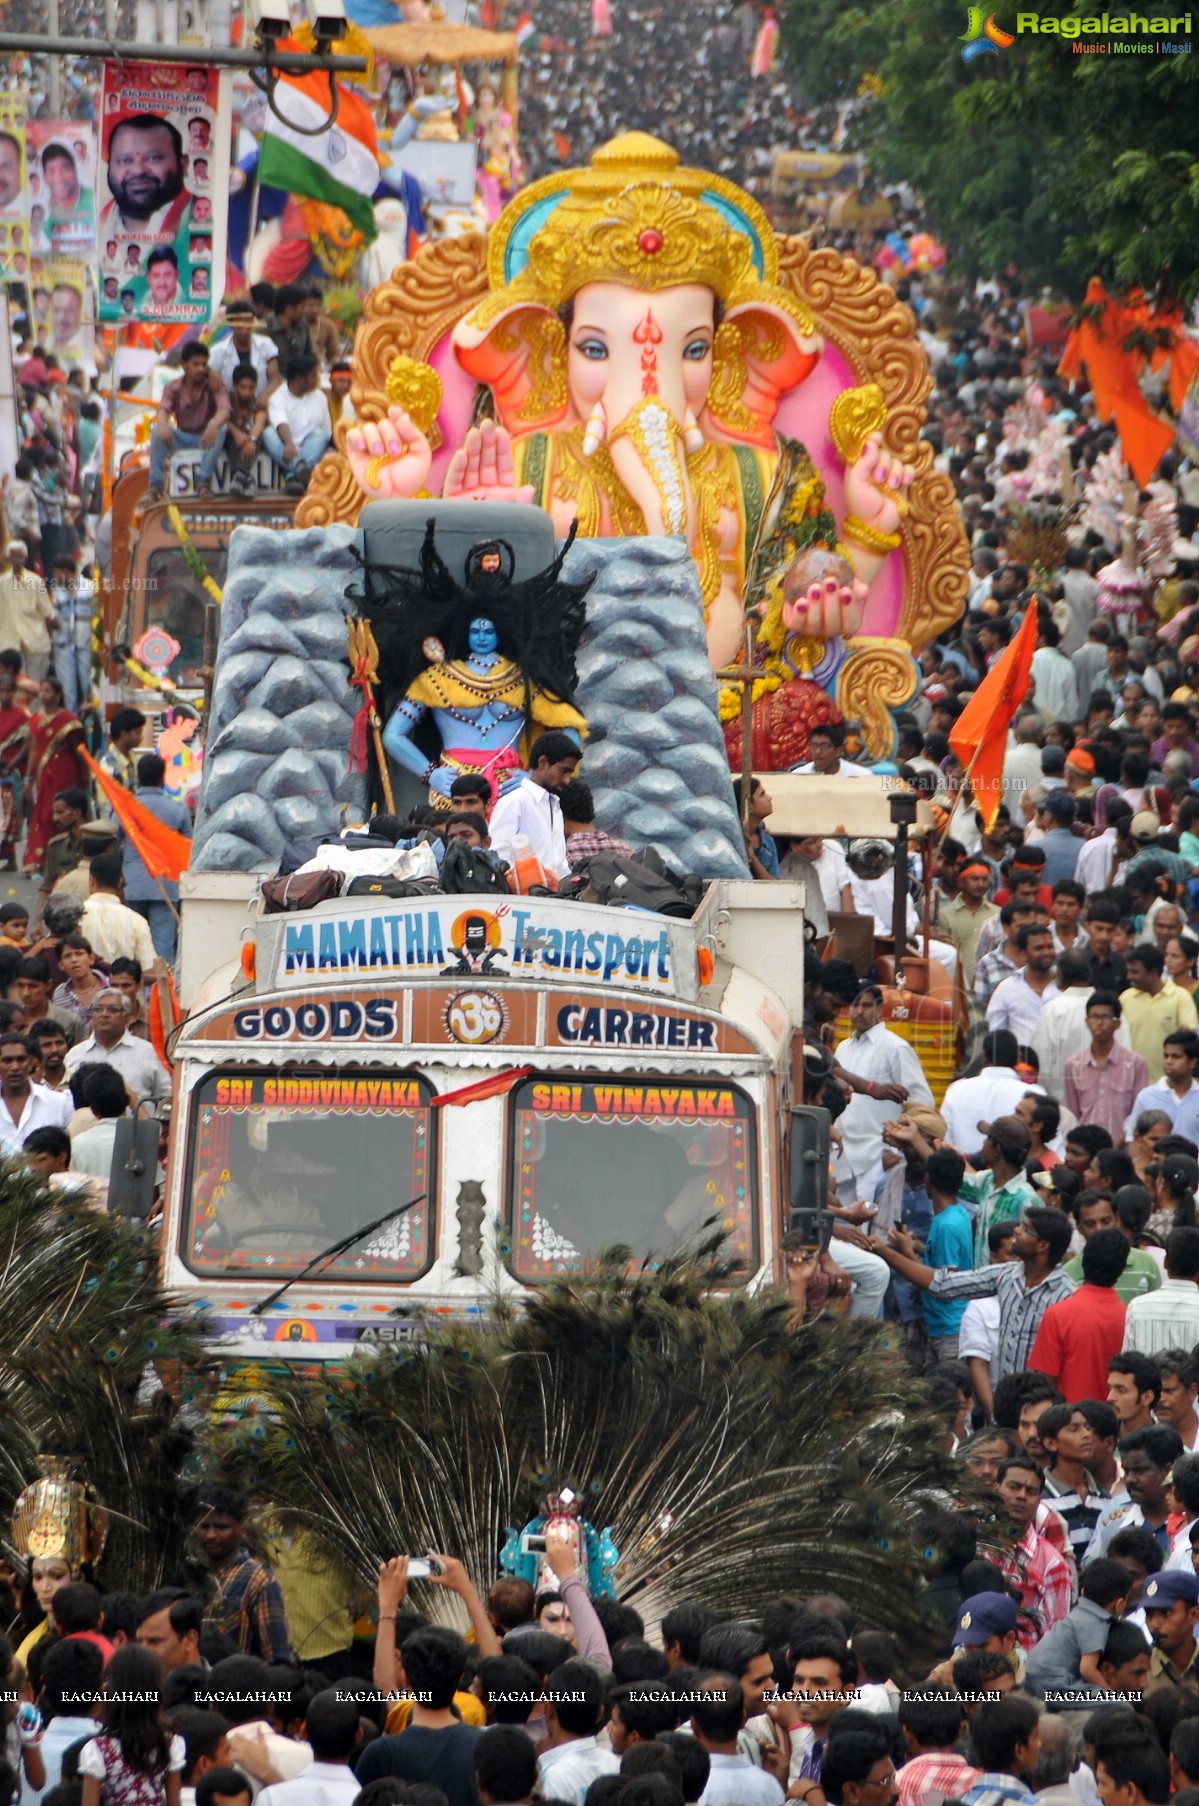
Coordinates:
[650,242]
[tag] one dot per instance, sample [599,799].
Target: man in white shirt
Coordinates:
[891,1066]
[242,345]
[733,1780]
[574,1758]
[530,808]
[826,745]
[1169,1317]
[111,928]
[831,868]
[108,1100]
[111,1044]
[1016,1002]
[1061,1028]
[995,1091]
[25,1106]
[300,429]
[332,1729]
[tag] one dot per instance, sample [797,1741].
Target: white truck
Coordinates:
[474,1095]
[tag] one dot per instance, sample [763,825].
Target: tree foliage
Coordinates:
[1060,163]
[731,1456]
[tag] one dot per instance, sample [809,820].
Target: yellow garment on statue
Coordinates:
[455,686]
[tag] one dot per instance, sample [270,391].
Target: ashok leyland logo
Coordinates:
[982,38]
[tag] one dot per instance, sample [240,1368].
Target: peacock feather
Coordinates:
[84,1329]
[732,1457]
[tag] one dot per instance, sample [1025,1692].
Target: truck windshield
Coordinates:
[641,1163]
[174,601]
[281,1165]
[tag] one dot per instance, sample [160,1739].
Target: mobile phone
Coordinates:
[420,1567]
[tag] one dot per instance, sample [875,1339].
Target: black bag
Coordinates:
[392,887]
[643,882]
[471,871]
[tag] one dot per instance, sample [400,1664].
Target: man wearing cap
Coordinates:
[1144,829]
[26,611]
[1053,769]
[242,345]
[1154,1007]
[963,918]
[891,1070]
[1171,1602]
[1175,1094]
[1025,1287]
[1016,1002]
[988,1621]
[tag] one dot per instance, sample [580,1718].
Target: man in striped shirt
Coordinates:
[1025,1287]
[1066,1435]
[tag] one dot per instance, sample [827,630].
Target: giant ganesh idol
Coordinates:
[637,351]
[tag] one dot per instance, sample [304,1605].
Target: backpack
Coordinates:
[473,871]
[643,882]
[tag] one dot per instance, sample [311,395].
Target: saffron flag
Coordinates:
[163,852]
[339,166]
[979,736]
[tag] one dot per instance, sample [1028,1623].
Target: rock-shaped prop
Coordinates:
[276,763]
[655,756]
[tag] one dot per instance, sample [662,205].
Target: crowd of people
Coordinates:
[1029,1235]
[679,70]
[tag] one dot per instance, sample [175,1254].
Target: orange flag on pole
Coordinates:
[164,853]
[979,736]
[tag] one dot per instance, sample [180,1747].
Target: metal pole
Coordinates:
[113,50]
[899,913]
[55,65]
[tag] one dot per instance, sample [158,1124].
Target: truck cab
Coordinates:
[491,1092]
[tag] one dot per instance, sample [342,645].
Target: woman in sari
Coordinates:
[14,751]
[54,764]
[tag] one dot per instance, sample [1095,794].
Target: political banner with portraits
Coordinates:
[162,193]
[14,198]
[64,302]
[62,188]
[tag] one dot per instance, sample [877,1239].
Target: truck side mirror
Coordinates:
[134,1166]
[807,1176]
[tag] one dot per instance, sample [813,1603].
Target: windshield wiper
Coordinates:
[347,1241]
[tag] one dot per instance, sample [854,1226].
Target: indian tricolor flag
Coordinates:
[339,166]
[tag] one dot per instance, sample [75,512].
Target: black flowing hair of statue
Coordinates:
[538,622]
